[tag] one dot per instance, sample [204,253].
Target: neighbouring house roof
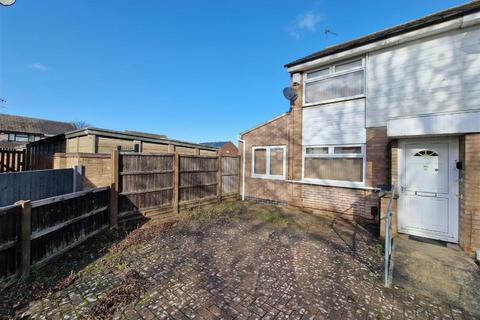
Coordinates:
[439,17]
[217,144]
[128,135]
[33,125]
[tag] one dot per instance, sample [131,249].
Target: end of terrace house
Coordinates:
[400,106]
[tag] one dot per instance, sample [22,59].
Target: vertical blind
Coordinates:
[260,161]
[341,86]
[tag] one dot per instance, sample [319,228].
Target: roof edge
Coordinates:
[125,135]
[396,30]
[264,123]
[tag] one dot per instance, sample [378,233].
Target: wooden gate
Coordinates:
[12,160]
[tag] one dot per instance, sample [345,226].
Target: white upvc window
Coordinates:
[337,82]
[336,165]
[269,162]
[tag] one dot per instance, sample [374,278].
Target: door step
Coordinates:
[427,240]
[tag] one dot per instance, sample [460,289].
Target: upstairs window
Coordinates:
[337,82]
[21,137]
[269,162]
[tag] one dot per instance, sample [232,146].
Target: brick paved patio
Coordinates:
[255,262]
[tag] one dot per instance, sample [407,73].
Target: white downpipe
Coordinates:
[243,167]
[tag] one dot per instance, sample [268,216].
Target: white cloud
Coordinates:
[39,67]
[305,22]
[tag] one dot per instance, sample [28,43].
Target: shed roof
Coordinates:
[129,135]
[432,19]
[33,125]
[216,144]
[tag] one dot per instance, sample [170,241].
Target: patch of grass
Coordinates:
[213,211]
[275,218]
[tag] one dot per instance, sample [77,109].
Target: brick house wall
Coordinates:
[345,201]
[272,133]
[377,157]
[469,227]
[287,130]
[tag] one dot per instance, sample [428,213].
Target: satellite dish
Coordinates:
[470,43]
[290,94]
[7,2]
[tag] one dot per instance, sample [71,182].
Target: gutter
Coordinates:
[243,167]
[459,23]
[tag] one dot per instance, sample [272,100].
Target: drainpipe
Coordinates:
[243,167]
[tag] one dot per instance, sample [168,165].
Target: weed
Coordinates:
[378,249]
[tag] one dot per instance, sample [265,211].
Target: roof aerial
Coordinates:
[435,18]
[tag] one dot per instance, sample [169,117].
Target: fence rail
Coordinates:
[33,233]
[389,240]
[160,183]
[12,160]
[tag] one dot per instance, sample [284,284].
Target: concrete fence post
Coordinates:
[25,234]
[78,174]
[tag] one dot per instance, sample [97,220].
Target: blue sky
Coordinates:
[193,70]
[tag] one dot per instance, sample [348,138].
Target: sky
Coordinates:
[193,70]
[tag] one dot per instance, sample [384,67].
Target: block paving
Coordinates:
[246,266]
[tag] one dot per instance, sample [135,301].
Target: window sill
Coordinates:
[268,177]
[314,104]
[336,184]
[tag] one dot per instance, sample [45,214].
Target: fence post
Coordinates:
[176,182]
[114,188]
[219,178]
[78,172]
[25,233]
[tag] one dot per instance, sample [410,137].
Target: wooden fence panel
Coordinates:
[198,177]
[62,222]
[34,185]
[9,241]
[230,175]
[12,160]
[160,184]
[146,181]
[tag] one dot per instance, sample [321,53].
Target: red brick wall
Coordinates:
[377,166]
[352,202]
[272,133]
[469,228]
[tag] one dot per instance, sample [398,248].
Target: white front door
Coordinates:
[428,186]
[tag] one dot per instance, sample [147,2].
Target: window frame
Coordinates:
[267,174]
[331,155]
[332,74]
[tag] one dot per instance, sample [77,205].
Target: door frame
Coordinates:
[453,181]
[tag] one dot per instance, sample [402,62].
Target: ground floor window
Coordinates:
[269,162]
[338,164]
